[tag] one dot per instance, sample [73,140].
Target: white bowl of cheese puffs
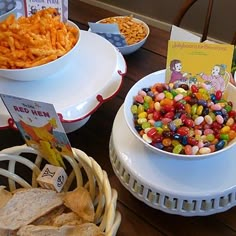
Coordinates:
[36,47]
[134,30]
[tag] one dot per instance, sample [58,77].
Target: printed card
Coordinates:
[208,64]
[40,127]
[30,7]
[110,32]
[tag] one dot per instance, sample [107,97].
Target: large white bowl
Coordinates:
[44,71]
[125,50]
[159,77]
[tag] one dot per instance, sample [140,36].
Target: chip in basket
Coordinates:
[89,208]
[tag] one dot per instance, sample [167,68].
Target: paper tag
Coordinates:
[40,127]
[30,7]
[110,32]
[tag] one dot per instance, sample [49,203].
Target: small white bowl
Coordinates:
[125,50]
[46,70]
[148,81]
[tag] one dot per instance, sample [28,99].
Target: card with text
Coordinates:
[40,127]
[30,7]
[208,64]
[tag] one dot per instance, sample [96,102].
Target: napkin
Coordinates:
[110,32]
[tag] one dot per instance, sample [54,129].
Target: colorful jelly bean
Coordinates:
[219,119]
[208,119]
[177,149]
[188,150]
[230,121]
[199,120]
[204,150]
[183,130]
[218,95]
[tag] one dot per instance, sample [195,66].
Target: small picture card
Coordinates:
[30,7]
[110,32]
[208,64]
[40,127]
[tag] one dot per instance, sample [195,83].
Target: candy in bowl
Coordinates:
[183,123]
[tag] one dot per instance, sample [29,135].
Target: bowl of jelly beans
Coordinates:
[183,121]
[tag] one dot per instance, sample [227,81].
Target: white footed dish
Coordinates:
[76,91]
[181,187]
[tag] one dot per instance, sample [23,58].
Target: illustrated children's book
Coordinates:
[205,64]
[40,127]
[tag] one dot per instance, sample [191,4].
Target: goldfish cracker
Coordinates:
[133,31]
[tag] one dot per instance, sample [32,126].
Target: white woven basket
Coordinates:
[85,171]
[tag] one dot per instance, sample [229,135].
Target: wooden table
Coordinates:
[93,138]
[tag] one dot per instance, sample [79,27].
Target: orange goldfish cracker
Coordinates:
[32,41]
[132,31]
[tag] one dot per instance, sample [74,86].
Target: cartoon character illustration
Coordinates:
[192,80]
[37,134]
[216,80]
[44,139]
[176,71]
[52,155]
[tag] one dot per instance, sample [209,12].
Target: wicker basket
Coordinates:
[84,171]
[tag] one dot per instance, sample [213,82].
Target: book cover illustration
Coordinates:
[206,64]
[40,127]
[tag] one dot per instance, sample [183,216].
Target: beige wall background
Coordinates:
[222,24]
